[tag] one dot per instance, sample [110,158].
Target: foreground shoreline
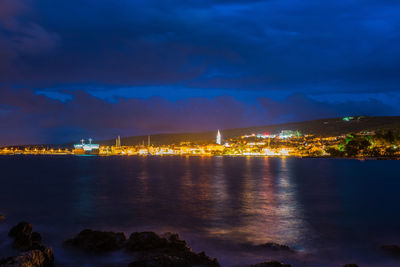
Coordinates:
[146,249]
[141,249]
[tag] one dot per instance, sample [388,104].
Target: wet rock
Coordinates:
[22,234]
[35,254]
[165,250]
[394,250]
[146,241]
[350,265]
[21,228]
[160,261]
[36,238]
[276,247]
[176,243]
[142,241]
[97,241]
[151,249]
[23,242]
[24,238]
[172,261]
[32,258]
[270,264]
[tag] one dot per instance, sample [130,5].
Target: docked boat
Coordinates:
[86,149]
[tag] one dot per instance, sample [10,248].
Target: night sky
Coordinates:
[73,69]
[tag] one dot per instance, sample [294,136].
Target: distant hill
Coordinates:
[322,127]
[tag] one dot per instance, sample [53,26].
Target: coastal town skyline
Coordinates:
[357,137]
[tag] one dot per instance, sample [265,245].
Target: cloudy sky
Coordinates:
[95,68]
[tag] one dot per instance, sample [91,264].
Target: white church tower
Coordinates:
[219,139]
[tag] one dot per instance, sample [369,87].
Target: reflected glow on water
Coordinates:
[267,210]
[223,205]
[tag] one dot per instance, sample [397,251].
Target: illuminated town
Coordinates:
[287,143]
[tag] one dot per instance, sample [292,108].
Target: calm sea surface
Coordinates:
[332,211]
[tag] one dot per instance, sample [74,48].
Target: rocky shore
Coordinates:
[148,249]
[32,252]
[151,249]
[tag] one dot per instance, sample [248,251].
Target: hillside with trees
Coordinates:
[321,127]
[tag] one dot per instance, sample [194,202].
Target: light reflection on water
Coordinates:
[268,210]
[223,205]
[289,209]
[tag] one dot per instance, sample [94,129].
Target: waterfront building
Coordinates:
[214,148]
[285,134]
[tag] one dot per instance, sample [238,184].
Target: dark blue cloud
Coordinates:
[179,51]
[334,45]
[299,107]
[30,118]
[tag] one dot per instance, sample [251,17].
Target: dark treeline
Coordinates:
[382,143]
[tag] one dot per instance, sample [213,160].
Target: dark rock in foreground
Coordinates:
[21,228]
[36,238]
[24,238]
[97,241]
[270,264]
[35,254]
[145,241]
[276,247]
[32,258]
[394,250]
[160,261]
[350,265]
[22,235]
[165,260]
[166,250]
[152,249]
